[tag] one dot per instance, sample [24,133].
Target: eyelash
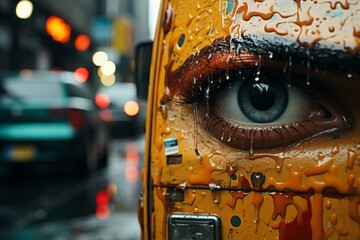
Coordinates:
[191,95]
[194,92]
[249,137]
[255,137]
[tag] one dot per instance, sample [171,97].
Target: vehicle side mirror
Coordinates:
[142,68]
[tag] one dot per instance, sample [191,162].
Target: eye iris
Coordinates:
[262,97]
[263,101]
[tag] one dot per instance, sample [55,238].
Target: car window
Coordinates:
[77,91]
[33,89]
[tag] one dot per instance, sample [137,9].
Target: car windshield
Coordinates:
[32,89]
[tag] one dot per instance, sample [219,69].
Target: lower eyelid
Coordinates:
[255,137]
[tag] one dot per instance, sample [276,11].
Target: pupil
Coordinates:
[261,96]
[265,100]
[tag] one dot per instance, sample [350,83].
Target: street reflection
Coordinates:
[55,205]
[132,163]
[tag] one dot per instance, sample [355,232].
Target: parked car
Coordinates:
[121,109]
[48,116]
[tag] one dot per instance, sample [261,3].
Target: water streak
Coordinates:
[195,129]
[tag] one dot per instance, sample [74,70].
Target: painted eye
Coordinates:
[261,111]
[264,99]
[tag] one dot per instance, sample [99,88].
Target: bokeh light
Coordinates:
[131,108]
[58,29]
[82,42]
[108,68]
[106,115]
[102,100]
[81,74]
[99,58]
[24,9]
[107,80]
[131,174]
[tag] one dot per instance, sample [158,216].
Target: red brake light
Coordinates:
[102,100]
[106,115]
[81,75]
[102,197]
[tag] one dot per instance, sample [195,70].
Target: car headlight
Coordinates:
[194,226]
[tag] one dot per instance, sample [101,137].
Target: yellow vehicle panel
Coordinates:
[270,177]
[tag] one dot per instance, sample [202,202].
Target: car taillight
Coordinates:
[131,108]
[102,205]
[76,118]
[106,115]
[194,226]
[102,100]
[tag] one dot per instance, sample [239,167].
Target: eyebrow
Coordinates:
[237,53]
[322,54]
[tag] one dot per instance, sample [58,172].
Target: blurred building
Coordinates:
[116,25]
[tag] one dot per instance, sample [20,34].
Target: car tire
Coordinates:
[104,156]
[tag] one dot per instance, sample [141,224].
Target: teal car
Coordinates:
[48,116]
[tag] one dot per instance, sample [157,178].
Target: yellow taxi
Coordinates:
[253,121]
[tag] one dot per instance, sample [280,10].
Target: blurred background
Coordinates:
[71,125]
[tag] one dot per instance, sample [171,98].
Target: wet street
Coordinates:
[48,204]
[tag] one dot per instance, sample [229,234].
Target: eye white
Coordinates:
[298,107]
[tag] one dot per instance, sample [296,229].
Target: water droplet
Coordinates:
[163,107]
[271,54]
[183,185]
[207,98]
[258,72]
[227,75]
[163,110]
[213,186]
[308,72]
[238,49]
[257,180]
[223,131]
[231,133]
[251,150]
[216,196]
[242,138]
[195,129]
